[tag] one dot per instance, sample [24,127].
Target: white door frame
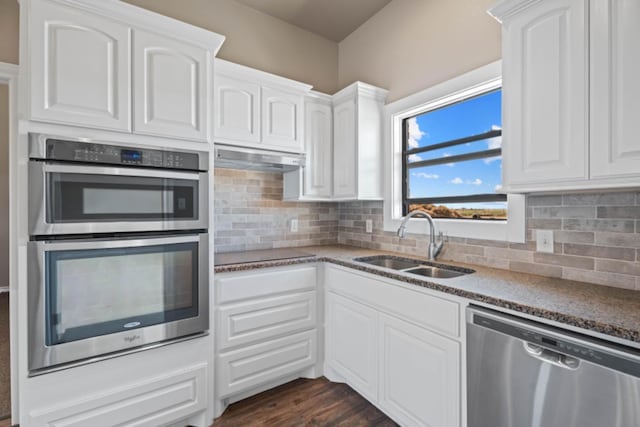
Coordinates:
[9,76]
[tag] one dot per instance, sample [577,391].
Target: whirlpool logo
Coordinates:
[132,338]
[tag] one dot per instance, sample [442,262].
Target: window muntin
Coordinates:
[452,164]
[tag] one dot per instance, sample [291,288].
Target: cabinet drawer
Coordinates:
[251,321]
[243,369]
[432,312]
[158,401]
[263,282]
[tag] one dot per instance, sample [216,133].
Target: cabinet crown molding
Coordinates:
[507,8]
[238,71]
[145,19]
[359,88]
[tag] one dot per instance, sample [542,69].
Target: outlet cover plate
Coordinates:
[544,241]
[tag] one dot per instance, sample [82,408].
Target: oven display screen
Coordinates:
[131,156]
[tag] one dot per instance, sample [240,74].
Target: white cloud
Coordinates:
[498,188]
[495,142]
[496,127]
[426,175]
[415,133]
[414,158]
[448,164]
[476,181]
[457,180]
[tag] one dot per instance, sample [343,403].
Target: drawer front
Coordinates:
[243,369]
[263,282]
[159,401]
[256,320]
[432,312]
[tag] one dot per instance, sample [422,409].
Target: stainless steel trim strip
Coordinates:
[110,170]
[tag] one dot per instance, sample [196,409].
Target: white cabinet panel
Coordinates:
[318,146]
[545,102]
[345,153]
[352,344]
[615,89]
[154,402]
[171,87]
[242,369]
[419,375]
[243,323]
[237,109]
[79,69]
[282,119]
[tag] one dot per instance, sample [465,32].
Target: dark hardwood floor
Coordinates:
[304,402]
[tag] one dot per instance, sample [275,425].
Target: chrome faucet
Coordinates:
[434,247]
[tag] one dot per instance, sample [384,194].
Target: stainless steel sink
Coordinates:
[415,266]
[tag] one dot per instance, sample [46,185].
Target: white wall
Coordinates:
[9,23]
[4,185]
[411,45]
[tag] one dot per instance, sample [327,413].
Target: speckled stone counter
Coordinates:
[610,311]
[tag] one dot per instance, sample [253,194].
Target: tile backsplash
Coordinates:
[250,214]
[597,235]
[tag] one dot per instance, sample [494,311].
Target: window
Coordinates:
[452,159]
[444,148]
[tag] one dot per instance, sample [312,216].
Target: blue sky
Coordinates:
[470,117]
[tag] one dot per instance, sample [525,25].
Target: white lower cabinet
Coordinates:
[266,329]
[406,363]
[352,343]
[419,375]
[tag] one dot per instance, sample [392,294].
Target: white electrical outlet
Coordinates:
[544,241]
[294,225]
[369,226]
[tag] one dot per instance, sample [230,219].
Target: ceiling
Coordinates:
[332,19]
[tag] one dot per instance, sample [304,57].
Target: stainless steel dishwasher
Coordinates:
[522,373]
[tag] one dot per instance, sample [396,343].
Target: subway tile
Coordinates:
[627,254]
[487,261]
[573,236]
[544,200]
[625,240]
[598,199]
[599,278]
[565,212]
[537,269]
[612,225]
[509,254]
[564,260]
[620,212]
[621,267]
[490,243]
[544,223]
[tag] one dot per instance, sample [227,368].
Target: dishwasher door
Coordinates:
[524,374]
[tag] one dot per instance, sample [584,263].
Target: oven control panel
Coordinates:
[87,152]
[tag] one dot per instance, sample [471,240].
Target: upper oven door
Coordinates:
[76,199]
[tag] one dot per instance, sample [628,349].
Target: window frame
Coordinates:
[475,82]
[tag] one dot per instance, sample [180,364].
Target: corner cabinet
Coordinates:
[107,65]
[258,110]
[570,94]
[399,348]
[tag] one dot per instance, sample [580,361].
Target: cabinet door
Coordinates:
[615,89]
[237,110]
[282,119]
[170,87]
[420,375]
[79,71]
[352,344]
[318,148]
[545,94]
[345,153]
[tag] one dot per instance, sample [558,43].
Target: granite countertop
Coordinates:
[610,311]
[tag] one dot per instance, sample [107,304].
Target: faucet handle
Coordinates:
[442,237]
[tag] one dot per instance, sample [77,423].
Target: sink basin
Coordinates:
[415,266]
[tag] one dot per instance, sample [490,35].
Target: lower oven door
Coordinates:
[92,298]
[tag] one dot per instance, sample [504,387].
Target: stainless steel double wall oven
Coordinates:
[118,250]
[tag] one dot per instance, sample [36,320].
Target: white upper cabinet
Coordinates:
[345,180]
[170,88]
[79,68]
[615,89]
[319,148]
[237,107]
[570,92]
[108,65]
[258,110]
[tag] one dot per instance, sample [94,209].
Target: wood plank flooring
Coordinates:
[305,402]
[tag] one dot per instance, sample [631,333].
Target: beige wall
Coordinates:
[411,45]
[4,185]
[258,40]
[9,12]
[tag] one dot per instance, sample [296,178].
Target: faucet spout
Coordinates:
[435,245]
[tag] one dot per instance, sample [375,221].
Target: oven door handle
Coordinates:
[98,170]
[61,245]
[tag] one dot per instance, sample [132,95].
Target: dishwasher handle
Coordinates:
[552,357]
